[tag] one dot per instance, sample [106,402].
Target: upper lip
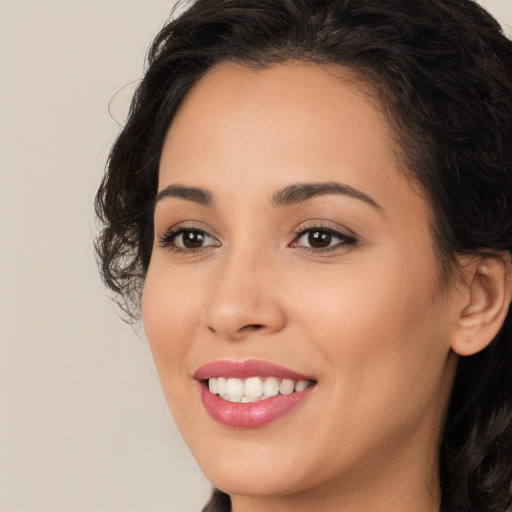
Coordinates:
[246,369]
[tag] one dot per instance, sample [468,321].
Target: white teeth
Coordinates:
[301,385]
[249,399]
[235,388]
[271,386]
[286,387]
[221,386]
[212,386]
[254,389]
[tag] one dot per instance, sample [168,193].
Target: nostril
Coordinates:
[249,327]
[252,327]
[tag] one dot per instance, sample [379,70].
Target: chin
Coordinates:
[248,472]
[256,482]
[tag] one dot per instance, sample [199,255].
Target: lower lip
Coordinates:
[254,414]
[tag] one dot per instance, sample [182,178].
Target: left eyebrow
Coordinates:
[299,192]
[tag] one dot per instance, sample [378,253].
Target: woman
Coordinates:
[313,200]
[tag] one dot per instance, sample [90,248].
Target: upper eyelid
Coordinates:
[341,231]
[178,230]
[325,226]
[321,228]
[190,225]
[344,237]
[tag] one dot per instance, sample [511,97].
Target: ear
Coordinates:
[486,300]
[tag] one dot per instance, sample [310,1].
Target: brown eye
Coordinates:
[319,239]
[322,239]
[191,239]
[187,239]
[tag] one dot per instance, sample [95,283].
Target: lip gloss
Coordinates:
[253,414]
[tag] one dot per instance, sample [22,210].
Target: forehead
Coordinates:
[297,100]
[286,123]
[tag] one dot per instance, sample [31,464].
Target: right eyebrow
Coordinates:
[195,194]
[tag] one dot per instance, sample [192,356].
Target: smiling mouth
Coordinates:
[254,389]
[252,393]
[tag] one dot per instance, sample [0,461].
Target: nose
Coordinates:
[243,299]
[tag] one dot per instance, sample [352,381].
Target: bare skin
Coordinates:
[364,313]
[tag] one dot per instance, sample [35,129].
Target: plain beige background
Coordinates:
[83,424]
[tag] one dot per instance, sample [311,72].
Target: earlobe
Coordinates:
[489,288]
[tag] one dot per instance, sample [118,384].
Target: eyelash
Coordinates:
[168,240]
[346,241]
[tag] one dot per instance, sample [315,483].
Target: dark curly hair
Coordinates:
[441,71]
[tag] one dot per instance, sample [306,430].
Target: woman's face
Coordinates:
[288,247]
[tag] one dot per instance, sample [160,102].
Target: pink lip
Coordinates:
[254,414]
[246,369]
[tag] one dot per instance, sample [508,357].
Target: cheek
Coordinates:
[169,317]
[380,330]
